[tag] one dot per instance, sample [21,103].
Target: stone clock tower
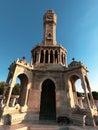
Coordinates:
[47,84]
[50,20]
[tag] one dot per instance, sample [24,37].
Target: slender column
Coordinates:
[84,88]
[64,59]
[25,104]
[9,96]
[10,91]
[39,58]
[27,92]
[60,58]
[48,56]
[92,116]
[53,57]
[90,93]
[14,100]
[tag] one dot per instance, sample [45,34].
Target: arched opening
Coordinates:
[34,57]
[48,101]
[78,86]
[51,56]
[42,57]
[76,92]
[16,89]
[15,93]
[23,89]
[62,57]
[49,35]
[80,94]
[46,57]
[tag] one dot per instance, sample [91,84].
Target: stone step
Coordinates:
[29,126]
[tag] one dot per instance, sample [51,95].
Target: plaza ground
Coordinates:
[45,126]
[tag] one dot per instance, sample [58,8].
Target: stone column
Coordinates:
[64,59]
[10,91]
[86,95]
[60,58]
[9,96]
[26,97]
[14,100]
[24,108]
[53,57]
[90,94]
[38,57]
[48,56]
[88,102]
[27,92]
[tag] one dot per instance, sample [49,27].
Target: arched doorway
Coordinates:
[73,90]
[48,101]
[23,89]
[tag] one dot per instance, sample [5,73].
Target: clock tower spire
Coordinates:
[50,20]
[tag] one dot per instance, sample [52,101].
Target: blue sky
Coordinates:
[21,28]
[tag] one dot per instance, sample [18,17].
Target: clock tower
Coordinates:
[50,20]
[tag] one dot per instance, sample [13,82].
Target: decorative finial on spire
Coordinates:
[73,59]
[23,57]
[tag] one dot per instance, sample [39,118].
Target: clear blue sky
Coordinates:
[21,28]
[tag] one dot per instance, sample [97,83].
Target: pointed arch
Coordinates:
[23,88]
[51,56]
[34,57]
[48,101]
[42,56]
[73,90]
[46,56]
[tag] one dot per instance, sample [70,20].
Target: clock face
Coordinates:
[49,16]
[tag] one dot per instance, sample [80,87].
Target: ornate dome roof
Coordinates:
[76,64]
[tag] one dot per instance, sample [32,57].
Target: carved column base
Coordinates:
[24,108]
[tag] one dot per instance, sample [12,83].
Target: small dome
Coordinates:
[75,63]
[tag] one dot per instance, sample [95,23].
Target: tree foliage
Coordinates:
[16,89]
[79,94]
[2,87]
[95,95]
